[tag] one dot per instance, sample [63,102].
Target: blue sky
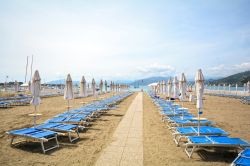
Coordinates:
[124,40]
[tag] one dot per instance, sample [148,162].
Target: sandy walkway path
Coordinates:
[126,147]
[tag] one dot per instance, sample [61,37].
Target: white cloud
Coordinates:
[225,70]
[155,69]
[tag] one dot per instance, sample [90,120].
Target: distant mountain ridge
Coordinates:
[239,78]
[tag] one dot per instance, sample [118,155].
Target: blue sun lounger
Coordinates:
[188,122]
[225,142]
[34,134]
[179,117]
[243,158]
[5,104]
[69,129]
[181,133]
[68,120]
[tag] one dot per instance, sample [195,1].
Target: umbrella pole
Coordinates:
[199,122]
[68,105]
[182,111]
[35,118]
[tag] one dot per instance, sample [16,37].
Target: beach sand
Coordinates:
[84,152]
[160,149]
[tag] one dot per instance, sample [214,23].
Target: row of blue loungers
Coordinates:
[67,123]
[185,131]
[14,101]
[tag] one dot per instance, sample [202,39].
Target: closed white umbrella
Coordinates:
[93,87]
[175,88]
[106,86]
[236,89]
[101,86]
[16,86]
[229,87]
[83,89]
[183,87]
[111,86]
[158,87]
[169,87]
[163,87]
[199,84]
[248,86]
[68,90]
[117,87]
[35,91]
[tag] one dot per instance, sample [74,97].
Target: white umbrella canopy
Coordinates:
[16,86]
[183,87]
[163,86]
[111,86]
[93,87]
[158,87]
[236,88]
[83,92]
[169,87]
[245,87]
[106,86]
[176,87]
[116,87]
[35,91]
[101,86]
[68,90]
[199,84]
[248,86]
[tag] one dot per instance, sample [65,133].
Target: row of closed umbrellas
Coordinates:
[179,87]
[68,90]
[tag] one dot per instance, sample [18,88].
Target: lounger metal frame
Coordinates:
[68,132]
[178,137]
[191,147]
[41,140]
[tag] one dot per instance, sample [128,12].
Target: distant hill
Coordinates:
[239,78]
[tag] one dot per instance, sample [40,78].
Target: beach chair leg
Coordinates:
[189,151]
[180,139]
[169,126]
[42,145]
[53,147]
[177,139]
[77,136]
[12,140]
